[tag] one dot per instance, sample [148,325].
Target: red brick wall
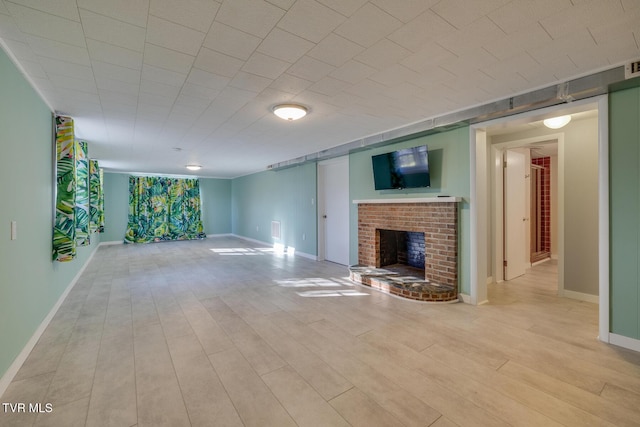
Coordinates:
[545,187]
[438,222]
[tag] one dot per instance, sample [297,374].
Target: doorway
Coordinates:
[572,234]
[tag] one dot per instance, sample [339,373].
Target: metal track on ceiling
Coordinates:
[581,88]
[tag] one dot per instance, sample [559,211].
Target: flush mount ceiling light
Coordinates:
[290,112]
[557,122]
[194,167]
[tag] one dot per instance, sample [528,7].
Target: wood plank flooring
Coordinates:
[222,332]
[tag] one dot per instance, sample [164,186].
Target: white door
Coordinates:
[333,210]
[515,216]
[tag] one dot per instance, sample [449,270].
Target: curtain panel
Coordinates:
[163,208]
[82,194]
[64,228]
[79,209]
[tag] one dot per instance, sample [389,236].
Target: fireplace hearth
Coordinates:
[409,248]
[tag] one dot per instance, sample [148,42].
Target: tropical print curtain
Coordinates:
[64,229]
[82,194]
[96,198]
[79,196]
[163,208]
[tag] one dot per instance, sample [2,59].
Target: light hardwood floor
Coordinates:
[221,332]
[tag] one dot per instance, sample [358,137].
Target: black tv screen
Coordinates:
[407,168]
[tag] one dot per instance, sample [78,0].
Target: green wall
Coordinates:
[30,283]
[624,158]
[215,198]
[449,169]
[216,205]
[116,206]
[288,196]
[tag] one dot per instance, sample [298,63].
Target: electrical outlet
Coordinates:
[14,230]
[304,236]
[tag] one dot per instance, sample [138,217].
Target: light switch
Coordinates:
[14,230]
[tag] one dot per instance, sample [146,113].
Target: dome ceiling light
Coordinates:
[557,122]
[290,112]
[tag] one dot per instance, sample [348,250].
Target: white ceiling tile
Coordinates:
[47,26]
[290,84]
[383,54]
[606,30]
[108,97]
[164,76]
[479,33]
[468,62]
[424,29]
[64,82]
[310,69]
[217,63]
[61,51]
[168,59]
[9,29]
[193,90]
[344,7]
[34,70]
[117,86]
[116,72]
[111,31]
[209,80]
[173,36]
[265,66]
[3,8]
[329,86]
[130,11]
[232,42]
[54,66]
[159,89]
[368,25]
[146,98]
[285,46]
[105,52]
[529,37]
[21,50]
[568,20]
[282,4]
[63,8]
[255,17]
[191,101]
[335,50]
[461,13]
[310,20]
[429,56]
[115,108]
[517,14]
[390,76]
[250,82]
[352,72]
[196,14]
[404,10]
[548,51]
[153,112]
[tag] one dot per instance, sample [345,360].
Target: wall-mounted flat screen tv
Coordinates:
[406,168]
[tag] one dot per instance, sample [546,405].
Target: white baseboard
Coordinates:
[465,298]
[581,296]
[489,280]
[26,350]
[626,342]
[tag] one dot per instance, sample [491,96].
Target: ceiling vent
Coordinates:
[632,69]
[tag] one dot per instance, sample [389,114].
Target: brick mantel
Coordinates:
[437,218]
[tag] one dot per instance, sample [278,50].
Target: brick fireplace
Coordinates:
[436,219]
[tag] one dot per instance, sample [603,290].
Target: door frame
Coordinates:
[498,247]
[479,155]
[321,192]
